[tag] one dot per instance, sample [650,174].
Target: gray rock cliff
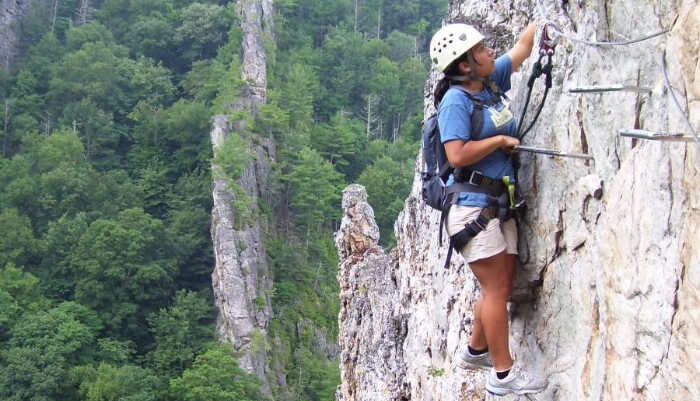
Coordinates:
[256,25]
[11,12]
[241,278]
[607,307]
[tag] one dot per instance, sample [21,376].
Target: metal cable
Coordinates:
[556,29]
[673,95]
[628,42]
[594,43]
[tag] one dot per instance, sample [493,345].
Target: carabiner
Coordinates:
[549,39]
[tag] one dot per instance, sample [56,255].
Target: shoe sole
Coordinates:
[468,365]
[509,391]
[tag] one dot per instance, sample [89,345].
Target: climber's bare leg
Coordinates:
[495,275]
[478,339]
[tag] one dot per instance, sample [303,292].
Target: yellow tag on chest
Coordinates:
[500,115]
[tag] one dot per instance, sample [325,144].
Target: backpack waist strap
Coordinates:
[467,180]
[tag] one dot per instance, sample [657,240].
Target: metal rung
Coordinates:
[656,136]
[552,152]
[610,88]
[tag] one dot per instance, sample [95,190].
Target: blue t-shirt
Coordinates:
[454,120]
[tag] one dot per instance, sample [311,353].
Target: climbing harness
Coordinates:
[435,192]
[548,43]
[502,205]
[501,194]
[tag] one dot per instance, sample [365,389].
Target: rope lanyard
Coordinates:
[547,46]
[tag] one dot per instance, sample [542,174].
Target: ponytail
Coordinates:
[440,89]
[444,84]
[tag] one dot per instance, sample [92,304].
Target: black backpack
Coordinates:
[436,167]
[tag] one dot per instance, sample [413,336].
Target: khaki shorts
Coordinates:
[489,242]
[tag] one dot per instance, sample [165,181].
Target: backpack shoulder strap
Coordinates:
[478,103]
[476,116]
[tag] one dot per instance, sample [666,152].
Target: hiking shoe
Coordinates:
[517,382]
[466,360]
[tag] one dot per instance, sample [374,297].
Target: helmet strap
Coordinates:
[472,74]
[472,67]
[487,82]
[457,78]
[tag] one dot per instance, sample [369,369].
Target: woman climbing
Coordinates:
[477,130]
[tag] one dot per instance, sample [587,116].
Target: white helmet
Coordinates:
[451,42]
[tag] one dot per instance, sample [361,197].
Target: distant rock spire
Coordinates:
[11,12]
[84,13]
[256,26]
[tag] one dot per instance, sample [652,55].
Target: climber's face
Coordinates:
[481,59]
[484,59]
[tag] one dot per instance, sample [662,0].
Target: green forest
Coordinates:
[105,169]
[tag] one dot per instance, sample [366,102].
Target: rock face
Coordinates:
[10,13]
[256,26]
[241,278]
[607,307]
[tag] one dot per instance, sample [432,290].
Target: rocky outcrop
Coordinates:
[256,26]
[607,306]
[241,278]
[11,12]
[372,331]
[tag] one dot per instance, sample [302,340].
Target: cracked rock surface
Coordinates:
[241,279]
[608,306]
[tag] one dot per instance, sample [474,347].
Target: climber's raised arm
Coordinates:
[522,48]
